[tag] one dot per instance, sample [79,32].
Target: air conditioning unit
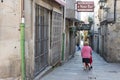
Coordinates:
[110,17]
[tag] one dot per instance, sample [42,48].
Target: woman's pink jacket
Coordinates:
[86,52]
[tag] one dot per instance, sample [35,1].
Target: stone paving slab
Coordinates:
[73,70]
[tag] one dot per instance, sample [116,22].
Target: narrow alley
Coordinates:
[37,35]
[73,70]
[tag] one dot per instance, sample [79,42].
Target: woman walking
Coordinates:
[86,54]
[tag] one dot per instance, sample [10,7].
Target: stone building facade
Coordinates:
[44,22]
[109,31]
[72,18]
[94,29]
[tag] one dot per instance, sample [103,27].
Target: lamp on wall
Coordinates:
[106,8]
[1,0]
[102,3]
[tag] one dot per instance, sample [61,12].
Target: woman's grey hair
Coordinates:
[86,43]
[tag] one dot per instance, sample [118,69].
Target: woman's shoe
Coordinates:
[91,67]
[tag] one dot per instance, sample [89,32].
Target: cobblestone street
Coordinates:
[73,70]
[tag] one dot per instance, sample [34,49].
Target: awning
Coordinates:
[62,2]
[73,19]
[84,27]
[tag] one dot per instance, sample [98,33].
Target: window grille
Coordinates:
[41,38]
[56,36]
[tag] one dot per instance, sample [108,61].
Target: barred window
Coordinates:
[41,38]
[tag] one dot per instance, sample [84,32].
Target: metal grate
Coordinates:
[56,36]
[41,38]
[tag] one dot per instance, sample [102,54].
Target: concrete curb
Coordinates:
[48,69]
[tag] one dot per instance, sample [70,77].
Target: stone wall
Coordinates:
[114,43]
[109,39]
[70,8]
[9,38]
[114,35]
[29,37]
[10,19]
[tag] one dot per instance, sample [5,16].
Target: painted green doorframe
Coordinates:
[63,36]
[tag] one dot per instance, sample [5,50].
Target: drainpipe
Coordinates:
[63,35]
[22,42]
[115,10]
[63,46]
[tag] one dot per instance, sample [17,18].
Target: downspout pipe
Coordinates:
[115,1]
[63,35]
[22,42]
